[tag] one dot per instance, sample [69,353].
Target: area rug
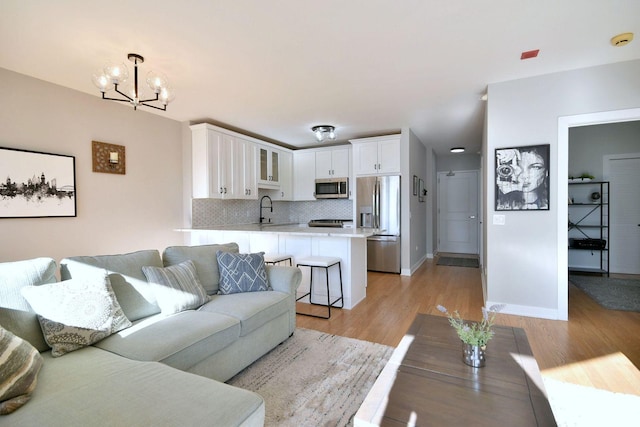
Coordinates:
[314,379]
[577,405]
[614,294]
[458,262]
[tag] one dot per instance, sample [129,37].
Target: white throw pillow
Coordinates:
[76,313]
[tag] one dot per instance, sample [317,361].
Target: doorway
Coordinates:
[458,225]
[564,124]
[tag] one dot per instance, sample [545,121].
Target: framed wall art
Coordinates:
[37,185]
[522,178]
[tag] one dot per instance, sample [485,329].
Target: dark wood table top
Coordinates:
[434,386]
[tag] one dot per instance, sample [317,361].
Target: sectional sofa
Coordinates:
[162,361]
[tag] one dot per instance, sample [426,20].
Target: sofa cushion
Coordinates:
[16,314]
[242,273]
[180,340]
[92,387]
[178,287]
[136,297]
[76,313]
[204,258]
[252,309]
[19,367]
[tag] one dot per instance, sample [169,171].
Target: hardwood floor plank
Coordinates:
[597,347]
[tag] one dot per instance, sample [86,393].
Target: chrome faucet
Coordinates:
[270,207]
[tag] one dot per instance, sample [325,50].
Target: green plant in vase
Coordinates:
[474,335]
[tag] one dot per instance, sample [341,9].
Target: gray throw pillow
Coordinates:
[76,313]
[19,367]
[177,287]
[242,273]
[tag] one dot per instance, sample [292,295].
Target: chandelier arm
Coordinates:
[123,94]
[150,99]
[163,108]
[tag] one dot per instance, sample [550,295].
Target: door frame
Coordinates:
[564,124]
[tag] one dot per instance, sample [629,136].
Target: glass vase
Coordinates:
[473,355]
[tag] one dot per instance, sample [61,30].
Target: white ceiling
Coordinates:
[276,68]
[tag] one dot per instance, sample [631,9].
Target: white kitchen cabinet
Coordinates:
[269,167]
[223,164]
[376,156]
[304,172]
[332,163]
[244,171]
[285,177]
[212,157]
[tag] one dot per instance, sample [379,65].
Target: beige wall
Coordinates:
[116,213]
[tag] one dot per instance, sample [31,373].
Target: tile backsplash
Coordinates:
[208,213]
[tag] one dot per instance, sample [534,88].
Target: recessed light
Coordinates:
[457,150]
[622,39]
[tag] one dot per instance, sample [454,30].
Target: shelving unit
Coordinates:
[589,227]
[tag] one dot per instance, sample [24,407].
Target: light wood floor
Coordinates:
[596,347]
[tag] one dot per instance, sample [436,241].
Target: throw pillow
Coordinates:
[178,287]
[76,313]
[242,272]
[19,367]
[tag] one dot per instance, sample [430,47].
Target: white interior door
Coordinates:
[458,212]
[623,173]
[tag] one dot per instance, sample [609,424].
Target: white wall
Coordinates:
[115,213]
[414,213]
[526,268]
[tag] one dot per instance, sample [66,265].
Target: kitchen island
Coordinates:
[300,240]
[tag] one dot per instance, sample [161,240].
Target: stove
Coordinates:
[336,223]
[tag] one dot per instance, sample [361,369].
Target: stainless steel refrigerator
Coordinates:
[378,206]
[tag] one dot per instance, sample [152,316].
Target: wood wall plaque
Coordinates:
[108,158]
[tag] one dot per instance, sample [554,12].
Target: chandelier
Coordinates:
[324,132]
[113,76]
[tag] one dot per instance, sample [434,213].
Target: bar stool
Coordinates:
[274,259]
[322,262]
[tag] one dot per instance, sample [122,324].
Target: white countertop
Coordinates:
[293,229]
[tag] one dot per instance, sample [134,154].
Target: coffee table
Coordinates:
[426,383]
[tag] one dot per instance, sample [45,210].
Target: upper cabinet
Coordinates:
[212,167]
[229,165]
[269,176]
[332,163]
[376,156]
[304,171]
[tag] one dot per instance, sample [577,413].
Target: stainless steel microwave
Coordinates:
[332,188]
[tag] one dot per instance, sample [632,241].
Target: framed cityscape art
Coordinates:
[36,184]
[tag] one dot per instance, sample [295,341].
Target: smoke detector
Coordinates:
[622,39]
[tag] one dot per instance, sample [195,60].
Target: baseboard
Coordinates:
[528,311]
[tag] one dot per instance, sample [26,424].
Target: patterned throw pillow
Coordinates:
[242,272]
[178,287]
[19,367]
[76,313]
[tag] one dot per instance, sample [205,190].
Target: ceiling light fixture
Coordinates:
[457,150]
[622,39]
[114,75]
[324,132]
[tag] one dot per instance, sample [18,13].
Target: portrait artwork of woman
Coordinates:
[522,178]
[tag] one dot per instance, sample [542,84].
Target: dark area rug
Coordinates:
[458,262]
[614,294]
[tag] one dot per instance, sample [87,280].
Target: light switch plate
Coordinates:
[498,219]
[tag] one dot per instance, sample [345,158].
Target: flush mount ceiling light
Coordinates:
[112,76]
[457,150]
[622,39]
[324,132]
